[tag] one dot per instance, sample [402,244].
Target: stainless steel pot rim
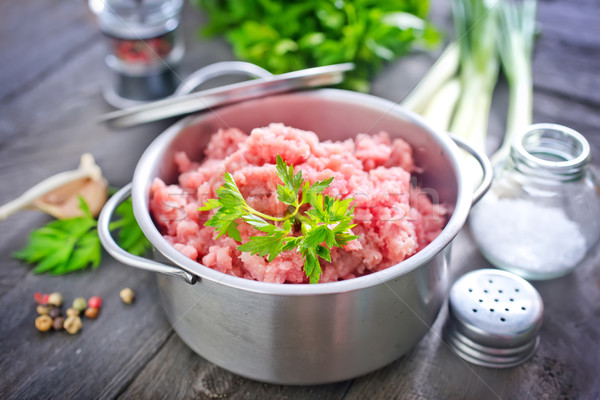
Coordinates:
[142,179]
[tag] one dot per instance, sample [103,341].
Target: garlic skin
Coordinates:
[59,194]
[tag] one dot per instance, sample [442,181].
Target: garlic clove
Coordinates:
[59,194]
[63,202]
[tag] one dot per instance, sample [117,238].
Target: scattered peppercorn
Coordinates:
[38,297]
[72,324]
[42,309]
[91,312]
[41,298]
[55,299]
[43,323]
[51,316]
[95,302]
[127,295]
[54,312]
[71,311]
[80,304]
[58,323]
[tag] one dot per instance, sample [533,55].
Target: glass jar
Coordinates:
[542,214]
[145,48]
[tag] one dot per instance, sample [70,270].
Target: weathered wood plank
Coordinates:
[190,376]
[566,59]
[112,347]
[37,37]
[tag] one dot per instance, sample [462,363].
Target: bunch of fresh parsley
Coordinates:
[286,36]
[67,245]
[329,221]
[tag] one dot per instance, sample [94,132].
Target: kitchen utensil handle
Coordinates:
[218,69]
[125,257]
[486,168]
[228,94]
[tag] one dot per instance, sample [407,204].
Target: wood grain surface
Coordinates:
[51,77]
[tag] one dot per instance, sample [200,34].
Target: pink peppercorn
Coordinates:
[95,302]
[41,298]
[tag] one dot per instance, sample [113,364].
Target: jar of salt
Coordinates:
[542,215]
[145,48]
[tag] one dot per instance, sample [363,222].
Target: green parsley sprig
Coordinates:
[284,36]
[67,245]
[328,222]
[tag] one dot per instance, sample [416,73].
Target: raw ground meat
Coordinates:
[394,219]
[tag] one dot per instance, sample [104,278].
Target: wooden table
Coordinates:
[51,76]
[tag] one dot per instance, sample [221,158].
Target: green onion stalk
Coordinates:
[456,93]
[516,48]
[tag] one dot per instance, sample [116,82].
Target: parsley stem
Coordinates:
[117,224]
[269,217]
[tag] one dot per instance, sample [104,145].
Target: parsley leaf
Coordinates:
[328,222]
[64,245]
[287,36]
[230,207]
[288,192]
[68,245]
[130,237]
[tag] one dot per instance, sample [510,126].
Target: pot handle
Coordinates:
[215,70]
[123,256]
[486,168]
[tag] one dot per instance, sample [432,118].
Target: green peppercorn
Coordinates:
[55,299]
[43,323]
[42,310]
[58,323]
[72,324]
[80,304]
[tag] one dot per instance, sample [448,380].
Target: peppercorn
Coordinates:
[43,323]
[38,297]
[41,298]
[71,311]
[54,312]
[91,312]
[58,323]
[127,295]
[72,324]
[55,299]
[95,302]
[42,310]
[80,304]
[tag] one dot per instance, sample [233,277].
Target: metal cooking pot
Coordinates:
[303,334]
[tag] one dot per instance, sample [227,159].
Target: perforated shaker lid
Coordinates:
[493,318]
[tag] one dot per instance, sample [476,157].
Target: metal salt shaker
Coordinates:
[493,318]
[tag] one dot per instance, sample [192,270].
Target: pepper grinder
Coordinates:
[145,48]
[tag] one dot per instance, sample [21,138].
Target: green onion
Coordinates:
[517,22]
[444,69]
[476,29]
[441,106]
[456,94]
